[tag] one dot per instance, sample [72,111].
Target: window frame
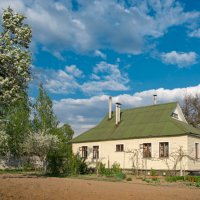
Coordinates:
[196,149]
[149,150]
[164,156]
[84,153]
[95,152]
[120,149]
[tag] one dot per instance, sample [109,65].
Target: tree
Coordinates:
[38,144]
[191,109]
[60,159]
[15,58]
[3,143]
[44,120]
[18,126]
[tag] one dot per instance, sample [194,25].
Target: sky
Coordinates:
[84,51]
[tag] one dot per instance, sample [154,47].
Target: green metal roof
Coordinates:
[148,121]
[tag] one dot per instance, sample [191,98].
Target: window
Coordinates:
[164,149]
[147,150]
[95,152]
[175,115]
[84,152]
[119,147]
[196,150]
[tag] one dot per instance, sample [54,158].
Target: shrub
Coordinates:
[198,184]
[120,176]
[154,172]
[129,179]
[193,178]
[116,168]
[102,168]
[115,171]
[174,178]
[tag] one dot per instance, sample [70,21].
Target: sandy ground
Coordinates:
[19,187]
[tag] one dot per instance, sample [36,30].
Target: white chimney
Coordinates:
[118,113]
[155,99]
[110,108]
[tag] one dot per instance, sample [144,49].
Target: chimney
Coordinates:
[118,113]
[155,99]
[110,108]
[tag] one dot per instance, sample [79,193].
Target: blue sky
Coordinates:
[85,50]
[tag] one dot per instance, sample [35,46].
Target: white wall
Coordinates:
[108,155]
[193,164]
[180,114]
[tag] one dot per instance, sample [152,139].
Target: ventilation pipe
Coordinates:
[110,108]
[118,113]
[155,99]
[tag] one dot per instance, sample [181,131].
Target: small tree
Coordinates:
[176,158]
[59,160]
[38,144]
[44,120]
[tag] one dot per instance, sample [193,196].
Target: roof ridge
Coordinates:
[147,106]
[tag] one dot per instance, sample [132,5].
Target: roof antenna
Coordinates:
[155,99]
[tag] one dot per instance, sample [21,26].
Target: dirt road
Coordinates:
[20,187]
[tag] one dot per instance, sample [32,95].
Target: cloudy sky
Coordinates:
[86,50]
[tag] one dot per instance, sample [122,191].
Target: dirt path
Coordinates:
[19,187]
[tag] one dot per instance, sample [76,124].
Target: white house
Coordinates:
[156,136]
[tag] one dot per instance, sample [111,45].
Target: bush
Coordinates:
[76,165]
[198,184]
[115,171]
[195,179]
[174,178]
[116,168]
[154,172]
[102,168]
[55,165]
[129,179]
[120,176]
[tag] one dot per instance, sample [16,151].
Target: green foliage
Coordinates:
[15,58]
[116,168]
[18,126]
[59,160]
[44,118]
[151,180]
[115,171]
[198,184]
[193,178]
[120,175]
[76,165]
[154,172]
[15,62]
[174,178]
[102,168]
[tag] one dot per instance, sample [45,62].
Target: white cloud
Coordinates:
[100,54]
[107,77]
[74,70]
[100,24]
[181,59]
[195,33]
[83,114]
[58,81]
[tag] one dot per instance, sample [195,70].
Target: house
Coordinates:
[151,137]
